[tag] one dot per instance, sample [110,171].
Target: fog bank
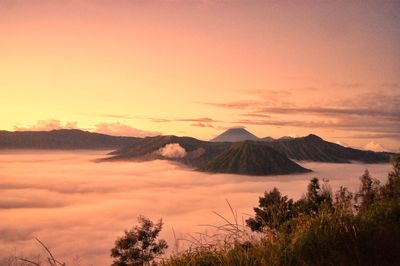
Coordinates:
[79,207]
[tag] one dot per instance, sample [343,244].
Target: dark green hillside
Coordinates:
[252,158]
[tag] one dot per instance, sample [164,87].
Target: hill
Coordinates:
[252,158]
[314,148]
[64,139]
[197,151]
[267,139]
[249,157]
[235,135]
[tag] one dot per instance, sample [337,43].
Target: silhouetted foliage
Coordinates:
[392,188]
[317,195]
[316,230]
[273,211]
[368,191]
[139,246]
[344,201]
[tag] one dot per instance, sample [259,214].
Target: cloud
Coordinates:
[394,135]
[369,112]
[64,196]
[124,116]
[203,119]
[118,129]
[160,120]
[121,116]
[333,111]
[349,85]
[256,115]
[199,124]
[46,125]
[353,124]
[374,146]
[234,105]
[172,150]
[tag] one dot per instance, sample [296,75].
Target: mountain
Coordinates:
[260,157]
[249,157]
[252,158]
[63,139]
[235,135]
[314,148]
[285,138]
[197,151]
[267,139]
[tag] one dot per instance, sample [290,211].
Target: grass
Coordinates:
[352,230]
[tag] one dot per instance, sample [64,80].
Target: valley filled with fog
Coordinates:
[79,207]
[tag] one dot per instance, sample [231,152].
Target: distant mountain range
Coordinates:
[314,148]
[64,139]
[248,157]
[251,157]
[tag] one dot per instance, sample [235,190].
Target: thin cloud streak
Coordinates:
[46,125]
[118,129]
[200,124]
[202,119]
[370,112]
[333,111]
[366,126]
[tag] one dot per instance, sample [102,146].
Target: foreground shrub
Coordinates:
[379,233]
[139,246]
[316,230]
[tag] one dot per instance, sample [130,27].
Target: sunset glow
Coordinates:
[199,132]
[197,67]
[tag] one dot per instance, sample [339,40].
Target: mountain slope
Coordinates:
[61,139]
[147,148]
[235,135]
[252,158]
[267,139]
[313,148]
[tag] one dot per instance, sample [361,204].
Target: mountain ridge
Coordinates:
[252,157]
[62,139]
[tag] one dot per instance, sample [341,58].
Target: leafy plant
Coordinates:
[139,246]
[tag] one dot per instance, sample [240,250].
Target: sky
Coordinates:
[197,68]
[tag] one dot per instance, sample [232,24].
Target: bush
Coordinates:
[139,246]
[316,230]
[273,211]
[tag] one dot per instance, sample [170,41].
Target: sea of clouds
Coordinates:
[79,207]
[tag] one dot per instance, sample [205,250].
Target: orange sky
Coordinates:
[197,67]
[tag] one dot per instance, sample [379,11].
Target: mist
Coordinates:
[79,207]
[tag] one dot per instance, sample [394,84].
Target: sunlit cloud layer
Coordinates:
[78,207]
